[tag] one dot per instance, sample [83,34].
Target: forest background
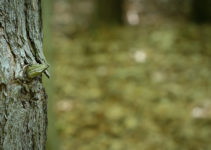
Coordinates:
[128,74]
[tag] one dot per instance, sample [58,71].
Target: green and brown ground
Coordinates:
[134,88]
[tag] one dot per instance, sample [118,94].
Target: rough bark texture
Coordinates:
[23,104]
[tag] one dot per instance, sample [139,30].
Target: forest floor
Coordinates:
[134,88]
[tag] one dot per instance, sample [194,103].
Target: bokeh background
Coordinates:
[128,74]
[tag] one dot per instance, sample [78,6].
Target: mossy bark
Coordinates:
[23,104]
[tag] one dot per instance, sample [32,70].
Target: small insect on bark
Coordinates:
[35,70]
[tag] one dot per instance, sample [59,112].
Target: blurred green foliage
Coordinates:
[140,88]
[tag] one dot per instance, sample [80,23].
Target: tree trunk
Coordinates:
[201,11]
[110,11]
[23,103]
[53,141]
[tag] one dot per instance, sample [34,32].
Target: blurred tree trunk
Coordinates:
[201,11]
[110,11]
[23,104]
[53,142]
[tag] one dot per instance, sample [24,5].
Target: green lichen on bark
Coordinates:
[23,113]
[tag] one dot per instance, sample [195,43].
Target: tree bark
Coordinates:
[23,104]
